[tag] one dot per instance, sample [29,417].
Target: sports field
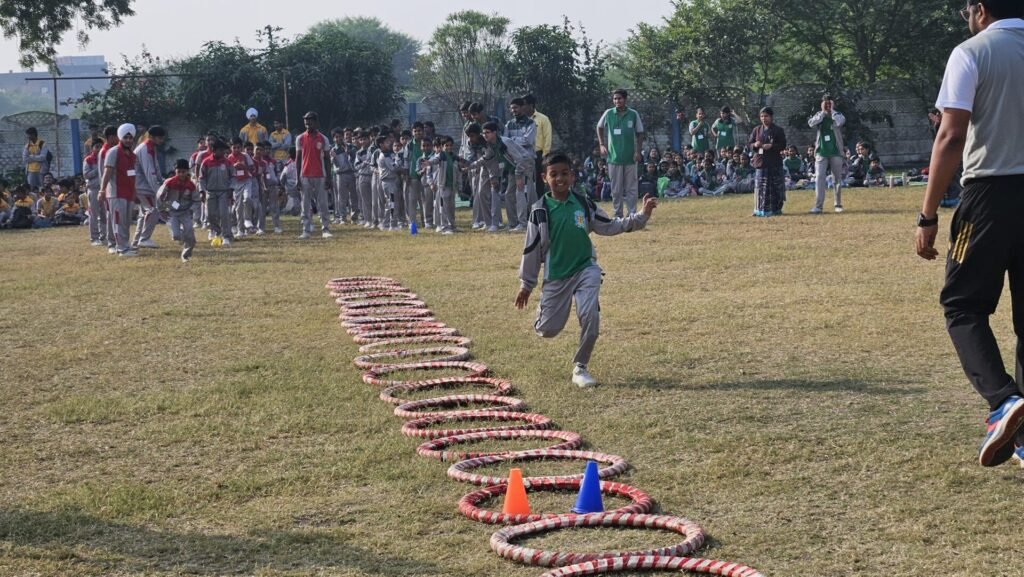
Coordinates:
[786,383]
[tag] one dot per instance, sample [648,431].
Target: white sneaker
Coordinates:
[128,253]
[447,232]
[582,377]
[96,243]
[492,229]
[226,242]
[248,223]
[148,243]
[184,259]
[327,234]
[111,250]
[439,229]
[209,235]
[277,230]
[260,232]
[519,228]
[477,226]
[815,210]
[241,234]
[839,208]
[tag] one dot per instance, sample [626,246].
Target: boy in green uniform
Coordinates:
[558,235]
[724,129]
[699,131]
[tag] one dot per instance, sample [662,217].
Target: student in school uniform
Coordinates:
[147,182]
[699,132]
[447,178]
[180,193]
[91,171]
[119,178]
[244,192]
[364,179]
[414,190]
[343,165]
[388,169]
[724,129]
[312,153]
[216,182]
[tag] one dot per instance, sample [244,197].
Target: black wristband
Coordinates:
[923,221]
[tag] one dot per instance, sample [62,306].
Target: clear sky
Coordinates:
[170,28]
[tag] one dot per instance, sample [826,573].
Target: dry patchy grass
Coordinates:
[787,383]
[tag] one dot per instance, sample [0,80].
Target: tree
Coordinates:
[41,24]
[344,79]
[565,71]
[131,97]
[221,82]
[464,59]
[402,47]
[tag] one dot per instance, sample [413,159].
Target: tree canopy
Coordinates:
[403,48]
[40,25]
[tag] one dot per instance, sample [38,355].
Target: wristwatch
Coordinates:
[923,221]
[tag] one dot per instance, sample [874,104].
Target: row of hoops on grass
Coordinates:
[397,333]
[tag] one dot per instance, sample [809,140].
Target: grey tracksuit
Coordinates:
[444,191]
[180,222]
[364,186]
[216,179]
[345,203]
[557,295]
[387,166]
[290,181]
[147,183]
[822,164]
[521,192]
[92,172]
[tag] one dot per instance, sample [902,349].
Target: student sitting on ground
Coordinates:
[649,181]
[5,205]
[69,211]
[876,174]
[23,213]
[46,208]
[794,166]
[741,178]
[707,179]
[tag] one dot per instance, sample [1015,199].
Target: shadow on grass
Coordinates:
[846,385]
[129,549]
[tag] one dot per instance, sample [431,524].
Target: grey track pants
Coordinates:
[821,166]
[555,300]
[97,217]
[625,187]
[148,216]
[313,189]
[180,225]
[218,212]
[365,189]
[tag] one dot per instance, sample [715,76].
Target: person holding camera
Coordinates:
[828,153]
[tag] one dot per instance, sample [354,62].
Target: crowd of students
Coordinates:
[701,169]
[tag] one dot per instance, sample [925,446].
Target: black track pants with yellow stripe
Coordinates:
[986,244]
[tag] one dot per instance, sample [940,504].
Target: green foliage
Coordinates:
[40,25]
[565,71]
[403,48]
[222,81]
[346,80]
[129,97]
[464,59]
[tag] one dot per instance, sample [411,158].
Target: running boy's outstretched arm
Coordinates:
[533,257]
[605,226]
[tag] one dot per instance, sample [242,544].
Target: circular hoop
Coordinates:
[374,336]
[501,540]
[655,563]
[461,471]
[448,354]
[367,324]
[499,386]
[469,505]
[382,303]
[373,376]
[393,313]
[411,409]
[347,297]
[435,449]
[418,427]
[446,339]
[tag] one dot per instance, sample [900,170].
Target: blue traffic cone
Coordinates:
[589,500]
[412,228]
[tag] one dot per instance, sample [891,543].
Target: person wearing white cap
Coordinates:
[253,132]
[119,184]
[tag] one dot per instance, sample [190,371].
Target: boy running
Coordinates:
[558,235]
[180,193]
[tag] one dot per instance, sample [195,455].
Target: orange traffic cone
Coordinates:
[515,495]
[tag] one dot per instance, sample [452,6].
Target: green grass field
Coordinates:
[786,383]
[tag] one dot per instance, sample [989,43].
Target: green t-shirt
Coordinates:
[621,134]
[449,168]
[569,250]
[726,133]
[699,139]
[414,161]
[793,163]
[827,141]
